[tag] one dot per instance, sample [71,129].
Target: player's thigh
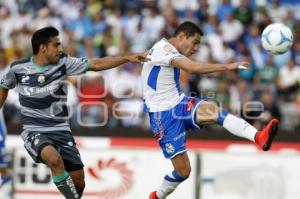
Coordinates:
[207,113]
[39,146]
[68,150]
[181,164]
[51,157]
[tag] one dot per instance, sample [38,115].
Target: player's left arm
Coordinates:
[191,66]
[112,62]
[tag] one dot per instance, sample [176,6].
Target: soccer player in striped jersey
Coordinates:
[39,80]
[172,113]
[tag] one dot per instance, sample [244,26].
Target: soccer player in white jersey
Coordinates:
[172,113]
[5,173]
[6,184]
[39,80]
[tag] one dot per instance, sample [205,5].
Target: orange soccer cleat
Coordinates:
[264,138]
[153,195]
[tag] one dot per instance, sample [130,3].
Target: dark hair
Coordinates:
[42,36]
[188,28]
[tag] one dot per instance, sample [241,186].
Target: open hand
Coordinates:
[138,58]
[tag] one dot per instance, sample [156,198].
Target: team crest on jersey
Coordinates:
[167,48]
[41,78]
[169,148]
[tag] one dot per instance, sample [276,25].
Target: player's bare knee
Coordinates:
[207,113]
[55,162]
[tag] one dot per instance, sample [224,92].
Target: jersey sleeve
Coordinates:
[171,54]
[164,55]
[76,66]
[8,80]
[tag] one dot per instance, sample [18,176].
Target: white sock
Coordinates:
[239,127]
[167,187]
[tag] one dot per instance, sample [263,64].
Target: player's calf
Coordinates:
[66,186]
[61,178]
[78,179]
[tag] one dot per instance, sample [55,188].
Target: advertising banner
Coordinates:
[109,174]
[249,176]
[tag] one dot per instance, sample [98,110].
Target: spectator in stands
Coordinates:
[288,80]
[266,76]
[244,13]
[271,109]
[231,30]
[224,9]
[153,24]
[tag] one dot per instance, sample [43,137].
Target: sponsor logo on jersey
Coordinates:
[36,90]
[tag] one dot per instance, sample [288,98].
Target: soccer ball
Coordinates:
[277,38]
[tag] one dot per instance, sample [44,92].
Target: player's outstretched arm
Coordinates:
[201,68]
[3,95]
[111,62]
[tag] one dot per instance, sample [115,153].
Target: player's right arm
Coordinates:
[3,96]
[8,81]
[190,66]
[105,63]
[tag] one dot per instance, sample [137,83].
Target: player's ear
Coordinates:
[43,48]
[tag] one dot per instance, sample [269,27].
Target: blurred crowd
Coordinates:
[97,28]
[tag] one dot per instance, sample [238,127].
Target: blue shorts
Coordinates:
[169,127]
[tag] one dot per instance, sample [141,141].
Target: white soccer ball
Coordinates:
[277,38]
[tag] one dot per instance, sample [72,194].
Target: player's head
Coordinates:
[188,37]
[45,42]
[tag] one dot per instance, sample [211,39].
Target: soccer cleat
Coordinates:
[153,195]
[264,138]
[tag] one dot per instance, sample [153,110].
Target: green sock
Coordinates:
[65,185]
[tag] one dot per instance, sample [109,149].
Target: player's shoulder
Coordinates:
[63,56]
[20,62]
[163,46]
